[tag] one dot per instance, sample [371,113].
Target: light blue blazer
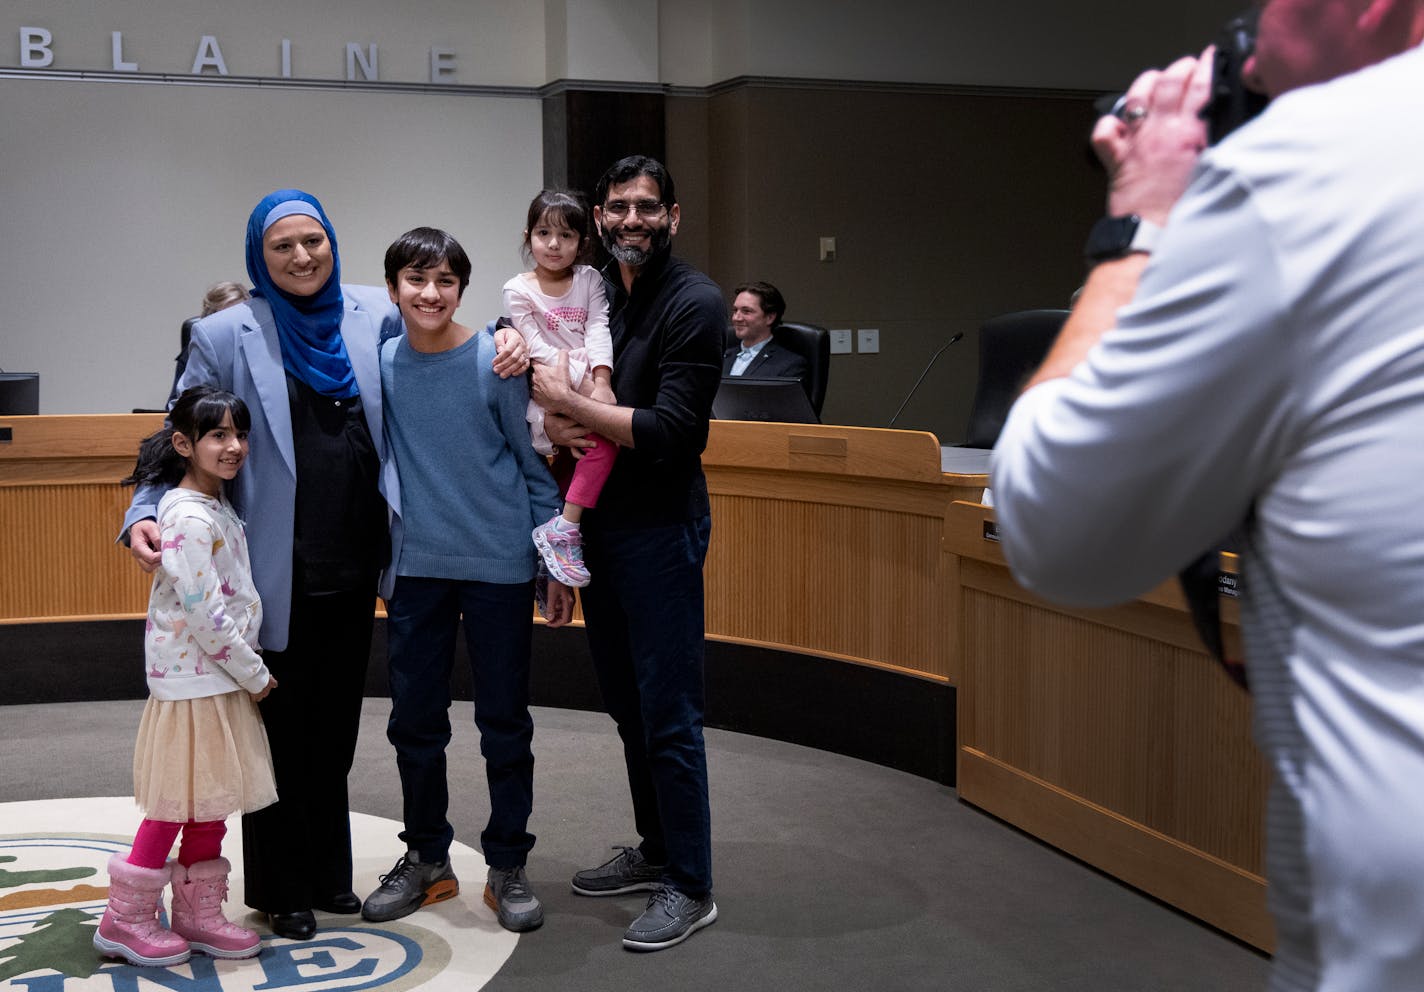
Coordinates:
[237,349]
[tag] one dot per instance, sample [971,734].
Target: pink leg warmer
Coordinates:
[591,472]
[153,842]
[201,842]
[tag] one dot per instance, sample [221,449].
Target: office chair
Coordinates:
[1011,346]
[812,343]
[180,361]
[185,334]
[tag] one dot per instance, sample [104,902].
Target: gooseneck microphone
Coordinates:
[921,379]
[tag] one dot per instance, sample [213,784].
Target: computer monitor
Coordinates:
[19,394]
[779,400]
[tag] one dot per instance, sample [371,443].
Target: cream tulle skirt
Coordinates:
[202,759]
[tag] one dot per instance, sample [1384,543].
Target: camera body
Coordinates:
[1231,103]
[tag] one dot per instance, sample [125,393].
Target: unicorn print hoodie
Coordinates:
[203,611]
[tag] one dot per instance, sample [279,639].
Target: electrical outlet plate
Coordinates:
[840,342]
[867,340]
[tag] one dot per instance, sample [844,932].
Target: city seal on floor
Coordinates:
[54,885]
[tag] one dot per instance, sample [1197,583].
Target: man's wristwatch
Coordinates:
[1114,237]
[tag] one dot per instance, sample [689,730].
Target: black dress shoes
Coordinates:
[343,903]
[300,925]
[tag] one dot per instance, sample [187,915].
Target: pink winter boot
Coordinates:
[130,928]
[198,894]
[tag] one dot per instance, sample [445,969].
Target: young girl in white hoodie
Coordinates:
[202,751]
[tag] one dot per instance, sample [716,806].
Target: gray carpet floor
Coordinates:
[831,873]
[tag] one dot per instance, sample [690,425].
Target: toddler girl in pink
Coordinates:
[559,305]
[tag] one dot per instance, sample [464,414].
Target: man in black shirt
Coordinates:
[645,543]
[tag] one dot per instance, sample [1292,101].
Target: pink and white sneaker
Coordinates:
[562,551]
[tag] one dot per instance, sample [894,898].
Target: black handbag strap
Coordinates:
[1202,585]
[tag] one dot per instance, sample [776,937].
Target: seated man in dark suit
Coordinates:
[757,309]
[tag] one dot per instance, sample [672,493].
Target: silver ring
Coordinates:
[1133,114]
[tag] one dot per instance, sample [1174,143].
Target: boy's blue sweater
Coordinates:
[472,486]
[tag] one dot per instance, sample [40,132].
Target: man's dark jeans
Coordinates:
[643,611]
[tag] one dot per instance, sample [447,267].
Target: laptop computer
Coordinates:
[778,400]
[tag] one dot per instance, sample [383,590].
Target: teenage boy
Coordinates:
[472,488]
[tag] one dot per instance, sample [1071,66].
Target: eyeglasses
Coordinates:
[646,209]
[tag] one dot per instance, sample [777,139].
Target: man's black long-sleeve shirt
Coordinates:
[667,365]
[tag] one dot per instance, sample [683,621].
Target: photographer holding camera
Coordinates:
[1248,353]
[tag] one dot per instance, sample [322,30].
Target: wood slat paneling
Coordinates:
[58,557]
[851,451]
[1220,893]
[1152,732]
[60,507]
[1106,732]
[1111,734]
[827,540]
[848,520]
[842,580]
[98,449]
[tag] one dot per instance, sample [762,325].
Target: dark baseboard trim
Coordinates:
[91,661]
[894,720]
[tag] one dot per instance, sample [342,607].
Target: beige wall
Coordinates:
[122,203]
[123,195]
[1038,43]
[496,42]
[951,209]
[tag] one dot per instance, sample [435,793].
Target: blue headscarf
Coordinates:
[308,327]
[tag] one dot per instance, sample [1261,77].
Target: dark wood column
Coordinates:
[587,130]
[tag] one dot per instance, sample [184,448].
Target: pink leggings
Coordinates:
[591,472]
[201,842]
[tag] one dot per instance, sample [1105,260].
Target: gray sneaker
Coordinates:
[412,883]
[670,918]
[628,872]
[508,893]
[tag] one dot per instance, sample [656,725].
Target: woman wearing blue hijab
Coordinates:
[303,354]
[296,268]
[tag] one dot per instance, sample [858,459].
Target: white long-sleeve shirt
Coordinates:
[1273,358]
[203,611]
